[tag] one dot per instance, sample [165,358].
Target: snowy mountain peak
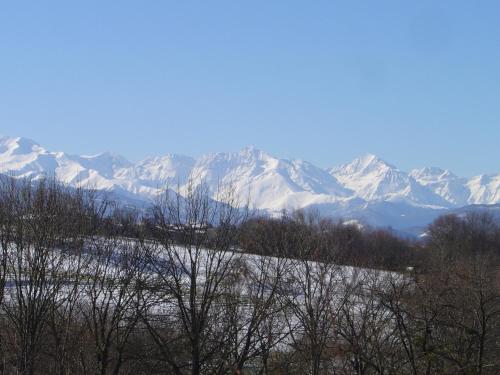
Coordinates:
[367,186]
[167,159]
[484,188]
[443,183]
[364,164]
[427,171]
[373,179]
[18,145]
[369,158]
[249,154]
[432,174]
[116,160]
[106,164]
[250,150]
[170,169]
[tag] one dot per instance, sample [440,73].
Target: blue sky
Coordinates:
[416,82]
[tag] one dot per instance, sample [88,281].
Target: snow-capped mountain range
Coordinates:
[368,188]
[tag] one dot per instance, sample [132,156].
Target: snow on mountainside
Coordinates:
[157,172]
[443,183]
[485,189]
[21,157]
[373,179]
[270,183]
[367,189]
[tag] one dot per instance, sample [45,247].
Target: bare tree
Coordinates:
[195,251]
[370,342]
[254,311]
[113,299]
[86,210]
[7,224]
[316,297]
[36,262]
[465,304]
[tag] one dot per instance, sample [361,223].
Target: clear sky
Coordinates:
[415,82]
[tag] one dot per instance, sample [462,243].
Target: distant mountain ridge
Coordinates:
[368,188]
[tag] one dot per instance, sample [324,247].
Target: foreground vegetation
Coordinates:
[200,287]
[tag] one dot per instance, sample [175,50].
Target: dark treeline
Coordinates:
[199,286]
[347,244]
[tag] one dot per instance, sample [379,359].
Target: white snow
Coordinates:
[367,184]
